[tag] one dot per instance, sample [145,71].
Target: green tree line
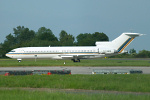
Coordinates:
[24,37]
[132,54]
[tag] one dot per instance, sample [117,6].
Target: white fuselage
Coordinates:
[75,52]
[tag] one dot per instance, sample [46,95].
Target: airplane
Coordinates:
[75,53]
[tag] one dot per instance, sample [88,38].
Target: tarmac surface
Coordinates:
[78,70]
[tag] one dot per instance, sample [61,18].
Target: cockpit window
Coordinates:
[12,51]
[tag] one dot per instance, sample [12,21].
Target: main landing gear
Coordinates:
[76,60]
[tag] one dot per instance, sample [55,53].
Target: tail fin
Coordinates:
[121,42]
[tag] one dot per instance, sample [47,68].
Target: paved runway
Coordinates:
[78,70]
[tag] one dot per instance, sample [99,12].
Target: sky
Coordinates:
[113,17]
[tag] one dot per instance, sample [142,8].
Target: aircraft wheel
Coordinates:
[19,60]
[78,60]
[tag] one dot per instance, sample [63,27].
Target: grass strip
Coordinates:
[94,62]
[38,95]
[132,83]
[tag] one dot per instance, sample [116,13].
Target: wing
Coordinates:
[78,56]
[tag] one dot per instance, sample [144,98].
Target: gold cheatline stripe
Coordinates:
[126,45]
[52,53]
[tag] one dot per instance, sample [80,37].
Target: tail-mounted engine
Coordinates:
[108,51]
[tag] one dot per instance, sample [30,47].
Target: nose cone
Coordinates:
[8,55]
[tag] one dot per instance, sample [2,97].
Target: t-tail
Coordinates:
[120,43]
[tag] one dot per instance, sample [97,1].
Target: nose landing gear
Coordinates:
[19,60]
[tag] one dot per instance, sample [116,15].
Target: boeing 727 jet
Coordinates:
[75,53]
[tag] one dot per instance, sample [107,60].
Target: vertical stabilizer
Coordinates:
[121,42]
